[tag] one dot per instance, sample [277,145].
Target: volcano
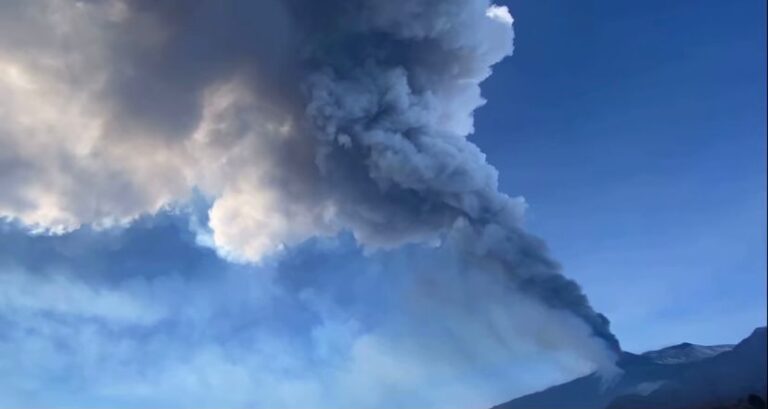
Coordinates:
[677,377]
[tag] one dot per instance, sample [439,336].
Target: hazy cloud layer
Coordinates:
[325,327]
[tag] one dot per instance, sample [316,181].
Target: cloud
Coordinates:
[325,326]
[500,13]
[24,293]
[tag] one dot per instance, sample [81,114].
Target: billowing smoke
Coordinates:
[297,118]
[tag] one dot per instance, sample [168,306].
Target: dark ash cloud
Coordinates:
[297,118]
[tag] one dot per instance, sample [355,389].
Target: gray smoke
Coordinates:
[297,118]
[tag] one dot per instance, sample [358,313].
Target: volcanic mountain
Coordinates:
[677,377]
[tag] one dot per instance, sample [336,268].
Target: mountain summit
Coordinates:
[685,353]
[676,377]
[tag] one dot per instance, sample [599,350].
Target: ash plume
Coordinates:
[297,118]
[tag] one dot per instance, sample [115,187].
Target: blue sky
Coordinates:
[634,130]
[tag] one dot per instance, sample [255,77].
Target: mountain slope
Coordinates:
[685,353]
[681,376]
[720,380]
[641,376]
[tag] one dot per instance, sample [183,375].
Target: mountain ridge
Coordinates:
[686,352]
[680,376]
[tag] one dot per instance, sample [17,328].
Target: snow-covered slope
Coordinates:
[685,352]
[681,376]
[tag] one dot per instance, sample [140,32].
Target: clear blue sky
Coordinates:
[637,133]
[635,130]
